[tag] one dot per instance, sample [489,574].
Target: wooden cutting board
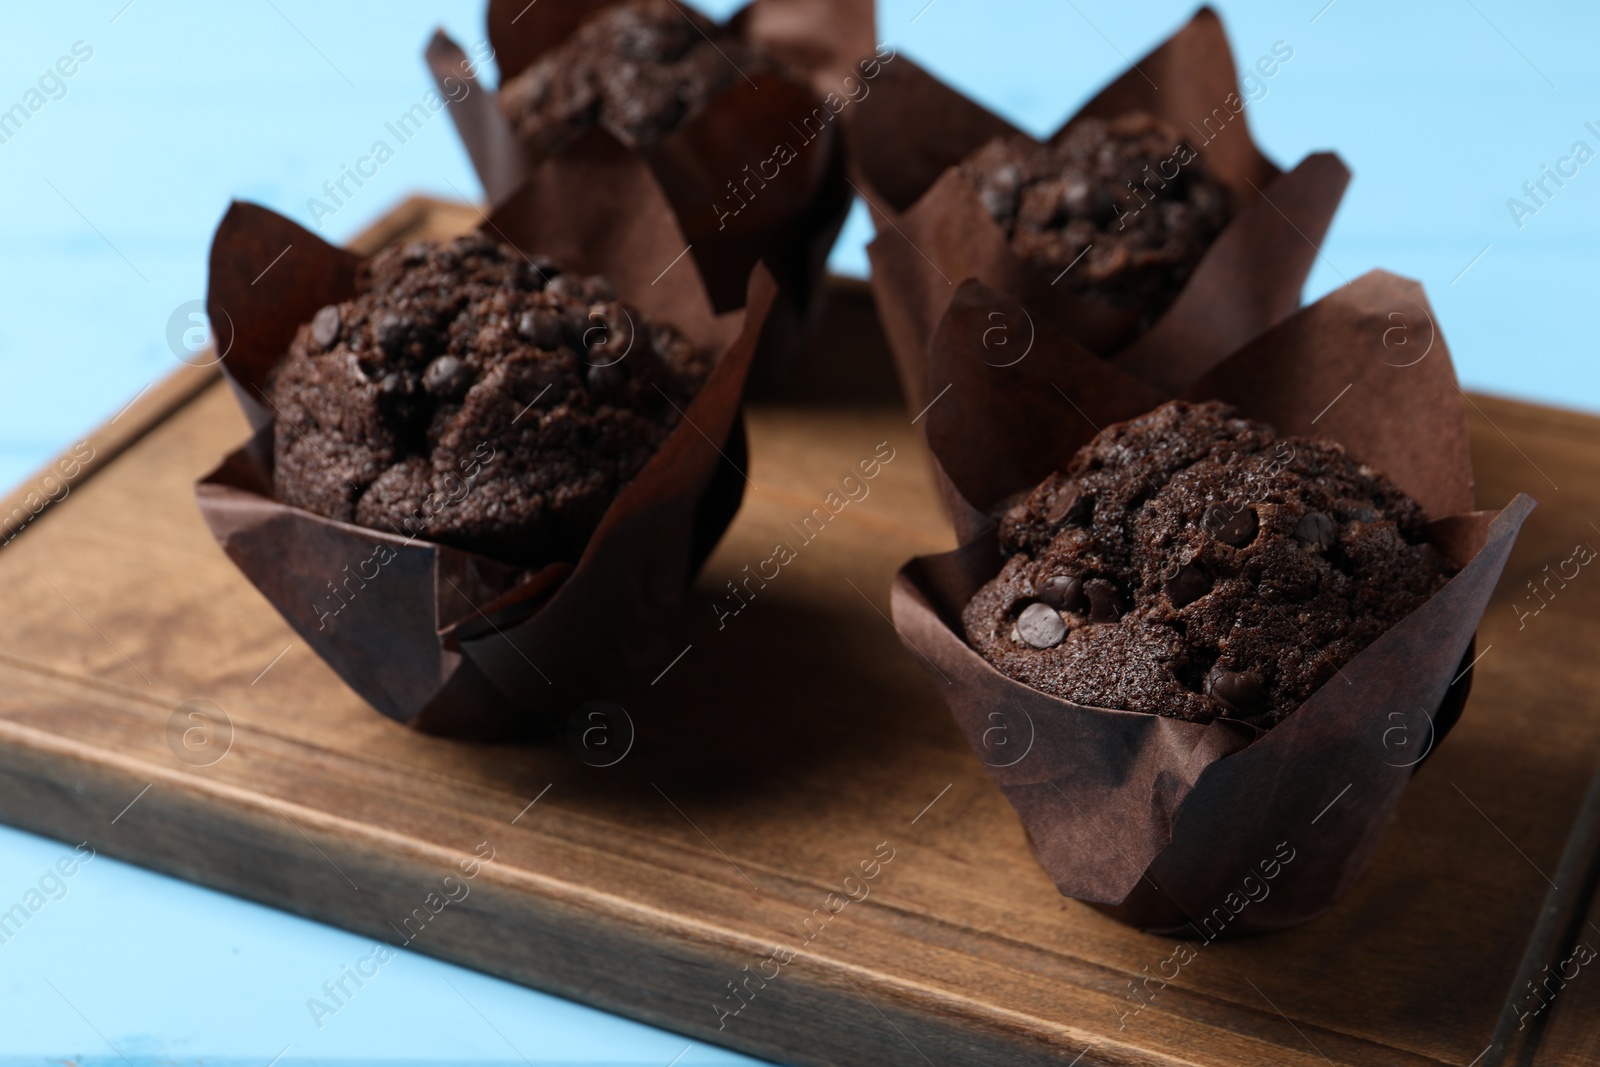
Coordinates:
[772,759]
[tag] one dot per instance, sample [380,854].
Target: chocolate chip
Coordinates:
[447,376]
[567,285]
[1061,591]
[575,325]
[1105,600]
[389,330]
[325,327]
[610,334]
[1236,528]
[540,270]
[1317,531]
[543,327]
[1242,691]
[1040,626]
[1070,504]
[1189,584]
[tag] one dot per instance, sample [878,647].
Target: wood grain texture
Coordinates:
[782,749]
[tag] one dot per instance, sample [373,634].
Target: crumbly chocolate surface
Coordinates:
[471,397]
[640,69]
[1191,563]
[1130,190]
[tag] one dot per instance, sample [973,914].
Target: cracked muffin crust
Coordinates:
[1129,196]
[471,397]
[640,69]
[1190,563]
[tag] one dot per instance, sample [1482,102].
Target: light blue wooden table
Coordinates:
[112,186]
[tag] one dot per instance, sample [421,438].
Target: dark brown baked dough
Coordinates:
[1130,190]
[469,396]
[640,69]
[1190,563]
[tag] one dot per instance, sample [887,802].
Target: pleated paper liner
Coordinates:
[1216,829]
[933,233]
[738,198]
[449,641]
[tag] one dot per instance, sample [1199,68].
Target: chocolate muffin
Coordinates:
[471,397]
[1190,563]
[640,69]
[1131,191]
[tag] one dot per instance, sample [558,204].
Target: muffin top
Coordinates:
[1130,190]
[1190,563]
[470,396]
[640,69]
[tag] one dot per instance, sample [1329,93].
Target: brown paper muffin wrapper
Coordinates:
[790,222]
[933,233]
[1171,825]
[445,640]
